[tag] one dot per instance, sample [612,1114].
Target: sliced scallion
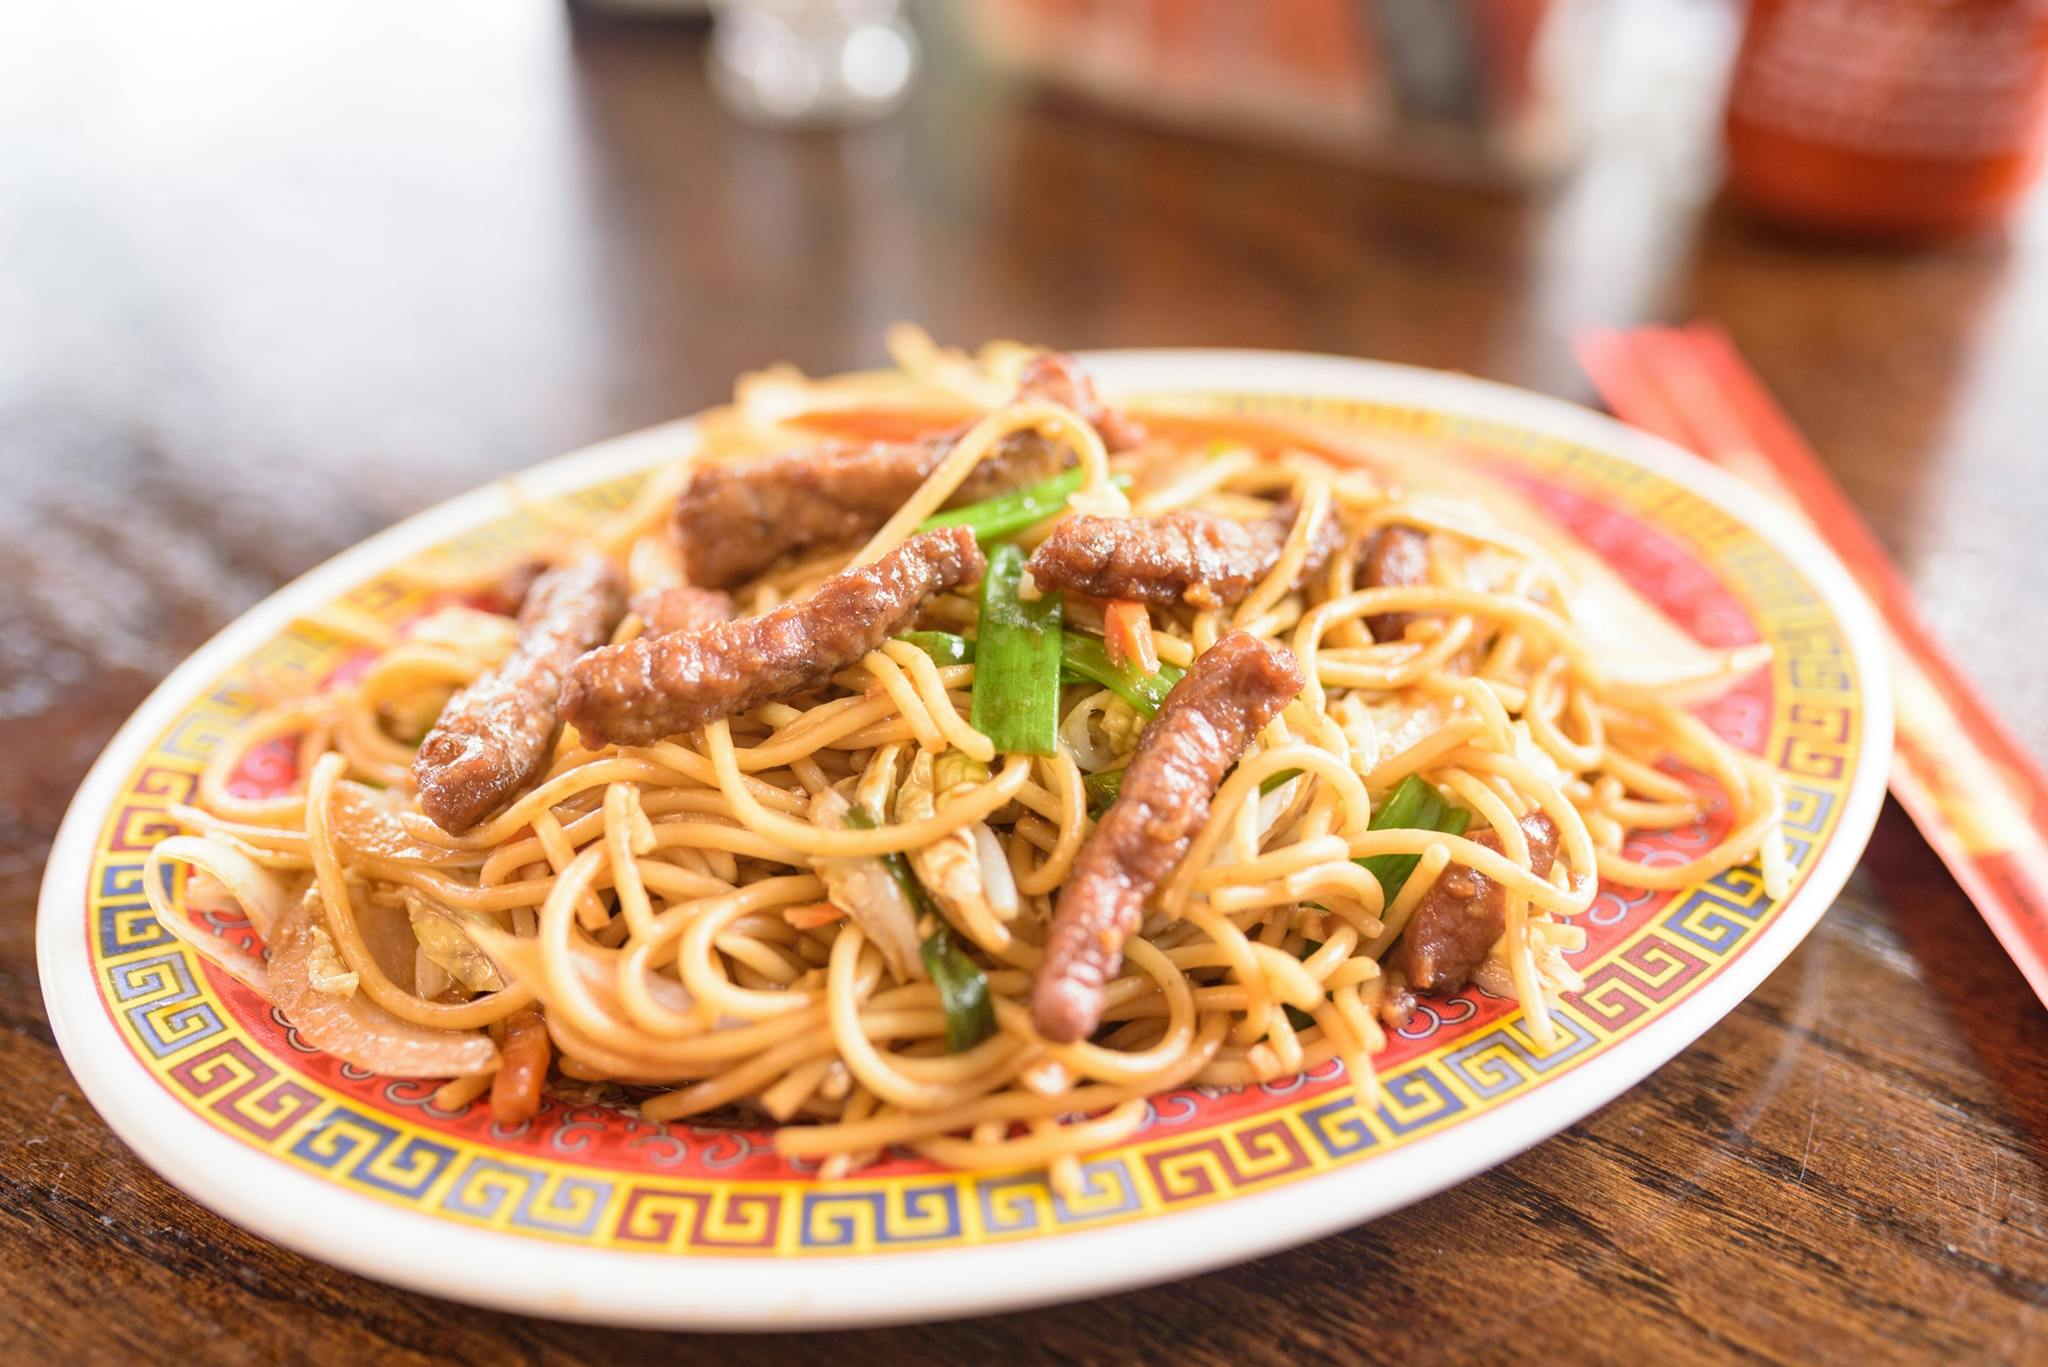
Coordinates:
[1413,805]
[963,987]
[963,991]
[1016,661]
[943,646]
[1101,789]
[1083,659]
[1004,515]
[899,867]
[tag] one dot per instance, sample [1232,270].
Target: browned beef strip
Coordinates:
[642,690]
[1234,688]
[1394,557]
[1464,912]
[737,518]
[1058,378]
[508,591]
[680,607]
[494,738]
[1188,557]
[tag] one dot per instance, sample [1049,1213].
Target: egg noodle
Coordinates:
[669,907]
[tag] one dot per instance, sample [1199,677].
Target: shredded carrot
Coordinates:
[811,915]
[1127,635]
[523,1066]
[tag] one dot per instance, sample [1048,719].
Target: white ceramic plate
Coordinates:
[597,1215]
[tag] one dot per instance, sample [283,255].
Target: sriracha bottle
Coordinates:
[1889,118]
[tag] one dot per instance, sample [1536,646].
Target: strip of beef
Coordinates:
[680,607]
[642,690]
[508,591]
[1464,912]
[1056,377]
[1190,557]
[494,738]
[1234,688]
[1394,557]
[737,518]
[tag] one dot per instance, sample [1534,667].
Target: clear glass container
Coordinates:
[812,61]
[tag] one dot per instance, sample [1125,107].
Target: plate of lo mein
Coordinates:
[998,828]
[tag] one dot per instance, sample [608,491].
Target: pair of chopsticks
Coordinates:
[1976,795]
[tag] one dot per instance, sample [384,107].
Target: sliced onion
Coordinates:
[365,821]
[262,898]
[996,878]
[867,892]
[387,930]
[445,943]
[1695,680]
[355,1029]
[1393,723]
[1079,736]
[1272,804]
[429,979]
[261,894]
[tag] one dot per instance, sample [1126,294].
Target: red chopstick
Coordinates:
[1975,793]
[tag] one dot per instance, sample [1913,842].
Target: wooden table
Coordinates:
[274,278]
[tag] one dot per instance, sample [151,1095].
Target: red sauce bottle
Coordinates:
[1889,118]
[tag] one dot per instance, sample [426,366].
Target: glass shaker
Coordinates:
[812,61]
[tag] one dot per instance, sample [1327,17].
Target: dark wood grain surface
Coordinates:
[273,276]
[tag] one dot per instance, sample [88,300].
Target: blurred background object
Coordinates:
[1452,89]
[1878,118]
[812,61]
[1889,118]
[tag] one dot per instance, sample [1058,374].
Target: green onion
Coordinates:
[1083,660]
[899,867]
[963,992]
[1101,789]
[1007,514]
[943,646]
[1407,807]
[1016,661]
[1414,805]
[963,987]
